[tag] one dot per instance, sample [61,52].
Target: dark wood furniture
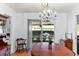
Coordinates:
[42,49]
[68,43]
[21,43]
[4,48]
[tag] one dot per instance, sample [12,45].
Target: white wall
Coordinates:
[21,26]
[60,27]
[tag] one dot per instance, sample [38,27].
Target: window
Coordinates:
[47,29]
[1,26]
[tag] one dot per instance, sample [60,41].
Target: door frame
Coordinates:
[29,41]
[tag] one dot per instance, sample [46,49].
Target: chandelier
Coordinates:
[47,13]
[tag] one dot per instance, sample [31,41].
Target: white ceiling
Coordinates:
[37,7]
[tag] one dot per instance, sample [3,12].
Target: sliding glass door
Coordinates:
[42,31]
[48,31]
[36,30]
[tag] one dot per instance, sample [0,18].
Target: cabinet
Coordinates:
[4,48]
[4,33]
[5,51]
[68,43]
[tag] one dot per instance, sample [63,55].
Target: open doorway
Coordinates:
[40,31]
[78,34]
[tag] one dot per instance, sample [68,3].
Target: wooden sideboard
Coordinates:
[69,40]
[5,51]
[68,43]
[4,48]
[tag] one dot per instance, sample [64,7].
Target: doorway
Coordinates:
[78,34]
[40,31]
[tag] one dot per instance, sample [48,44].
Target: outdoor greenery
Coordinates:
[36,37]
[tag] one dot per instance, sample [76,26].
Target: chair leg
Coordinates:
[22,46]
[25,46]
[17,47]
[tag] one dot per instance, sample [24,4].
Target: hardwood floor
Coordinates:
[22,53]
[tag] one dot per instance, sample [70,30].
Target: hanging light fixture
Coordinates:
[47,13]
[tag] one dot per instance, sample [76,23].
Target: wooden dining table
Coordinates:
[42,49]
